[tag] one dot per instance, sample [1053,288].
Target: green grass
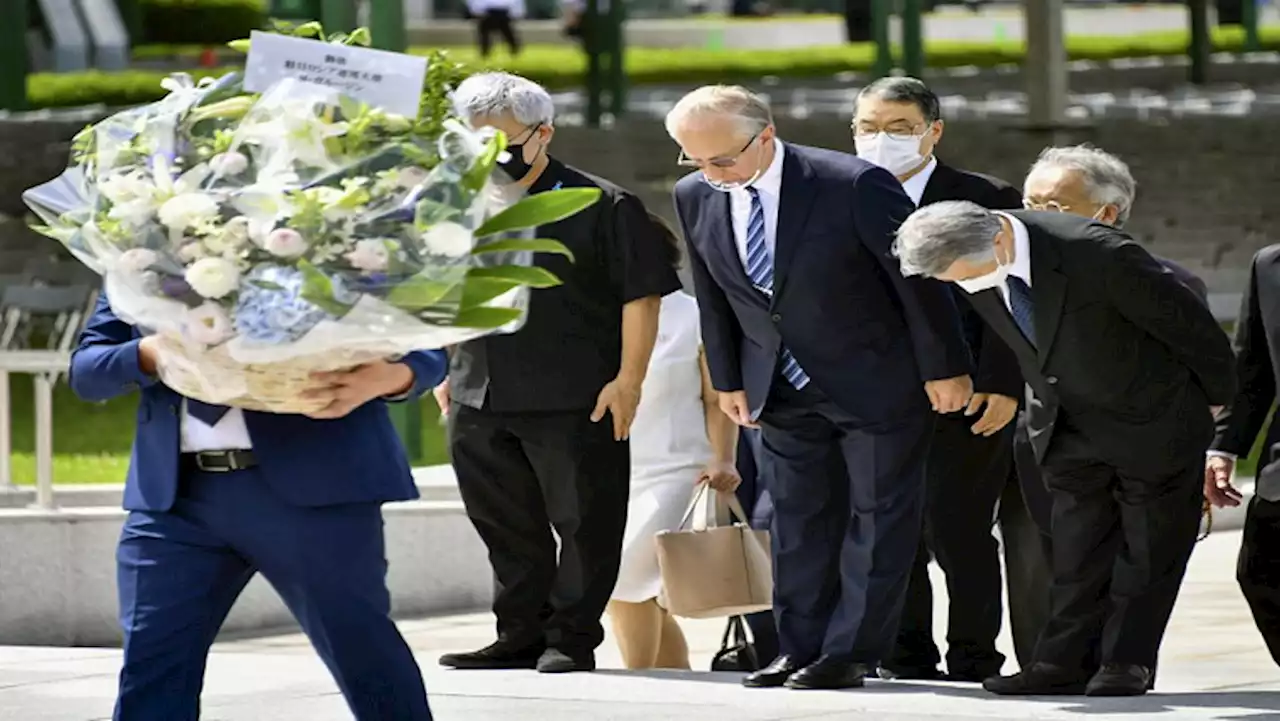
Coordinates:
[563,66]
[91,441]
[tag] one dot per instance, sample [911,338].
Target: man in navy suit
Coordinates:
[216,495]
[809,328]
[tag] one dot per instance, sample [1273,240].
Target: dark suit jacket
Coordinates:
[1127,355]
[1257,346]
[997,366]
[866,336]
[355,459]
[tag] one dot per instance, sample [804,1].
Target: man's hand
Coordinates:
[345,391]
[1217,482]
[949,394]
[721,476]
[1216,410]
[1000,410]
[148,355]
[734,404]
[620,398]
[441,392]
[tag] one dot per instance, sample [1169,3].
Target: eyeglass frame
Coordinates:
[1048,205]
[723,162]
[853,127]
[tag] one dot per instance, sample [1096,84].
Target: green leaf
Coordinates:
[515,245]
[540,209]
[429,212]
[267,285]
[312,29]
[480,290]
[360,36]
[317,289]
[418,292]
[483,167]
[486,318]
[534,277]
[240,46]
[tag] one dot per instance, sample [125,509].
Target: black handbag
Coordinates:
[737,652]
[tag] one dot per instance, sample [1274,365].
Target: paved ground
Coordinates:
[1214,666]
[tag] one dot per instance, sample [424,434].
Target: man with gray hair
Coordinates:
[1128,366]
[811,332]
[539,419]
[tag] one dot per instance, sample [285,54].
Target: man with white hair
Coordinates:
[1128,366]
[539,419]
[810,330]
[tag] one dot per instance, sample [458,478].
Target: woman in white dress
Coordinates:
[679,438]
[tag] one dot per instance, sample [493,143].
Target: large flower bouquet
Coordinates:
[265,236]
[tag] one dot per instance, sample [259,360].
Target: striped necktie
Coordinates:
[760,271]
[1021,306]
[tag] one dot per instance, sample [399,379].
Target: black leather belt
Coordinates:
[220,461]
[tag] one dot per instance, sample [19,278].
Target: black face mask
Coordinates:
[515,166]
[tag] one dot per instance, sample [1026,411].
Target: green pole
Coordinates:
[617,63]
[913,37]
[883,63]
[1251,42]
[13,59]
[338,16]
[592,29]
[386,25]
[1201,43]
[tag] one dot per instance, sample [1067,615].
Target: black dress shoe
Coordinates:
[553,660]
[773,675]
[828,674]
[1120,679]
[909,673]
[499,655]
[1041,679]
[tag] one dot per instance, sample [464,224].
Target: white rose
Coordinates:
[448,239]
[230,237]
[213,277]
[207,324]
[286,243]
[231,163]
[192,252]
[136,260]
[369,255]
[187,210]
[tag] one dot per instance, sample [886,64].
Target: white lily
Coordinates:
[294,130]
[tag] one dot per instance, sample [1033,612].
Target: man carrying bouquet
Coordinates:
[539,419]
[217,494]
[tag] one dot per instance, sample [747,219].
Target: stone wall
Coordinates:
[1208,186]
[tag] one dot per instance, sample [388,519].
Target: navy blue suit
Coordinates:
[867,338]
[308,517]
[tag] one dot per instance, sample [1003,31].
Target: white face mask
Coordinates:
[726,187]
[896,155]
[994,279]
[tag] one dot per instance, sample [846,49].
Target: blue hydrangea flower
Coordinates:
[271,308]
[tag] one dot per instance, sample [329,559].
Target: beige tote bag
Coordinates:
[718,570]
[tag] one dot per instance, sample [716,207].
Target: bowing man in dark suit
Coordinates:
[809,328]
[1128,365]
[1257,345]
[216,495]
[897,124]
[1092,183]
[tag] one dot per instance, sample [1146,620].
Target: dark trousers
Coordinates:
[1121,542]
[179,573]
[755,499]
[1258,570]
[1028,552]
[496,22]
[965,476]
[843,543]
[520,476]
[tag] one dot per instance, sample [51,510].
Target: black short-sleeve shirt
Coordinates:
[571,344]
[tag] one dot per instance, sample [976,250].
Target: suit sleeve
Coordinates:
[105,362]
[998,370]
[1004,197]
[1153,299]
[429,369]
[721,334]
[1243,419]
[879,207]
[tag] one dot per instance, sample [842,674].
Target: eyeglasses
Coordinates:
[723,162]
[897,133]
[1051,205]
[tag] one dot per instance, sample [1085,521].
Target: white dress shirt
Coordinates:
[915,185]
[769,187]
[228,434]
[1021,256]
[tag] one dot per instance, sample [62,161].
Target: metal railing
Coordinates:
[45,366]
